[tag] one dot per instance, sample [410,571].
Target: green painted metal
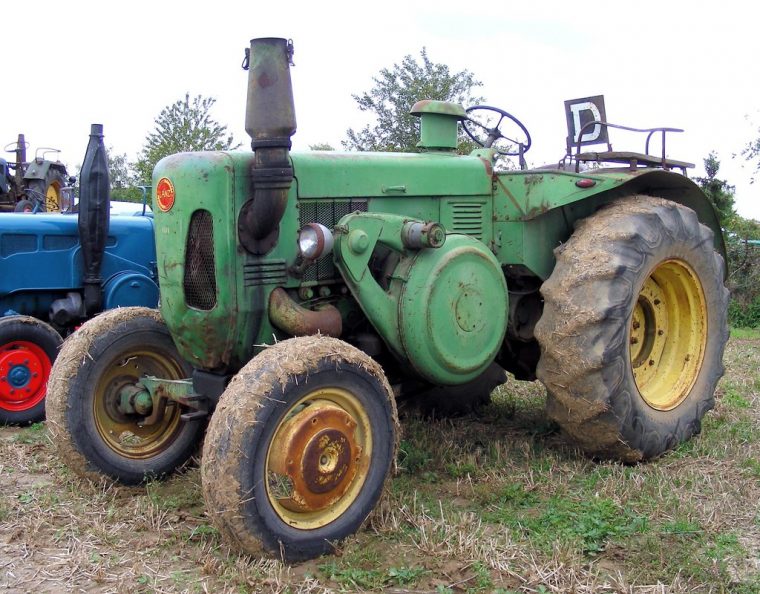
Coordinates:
[400,175]
[442,311]
[438,123]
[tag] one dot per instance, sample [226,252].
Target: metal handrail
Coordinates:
[651,132]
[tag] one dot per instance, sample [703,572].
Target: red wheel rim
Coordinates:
[24,370]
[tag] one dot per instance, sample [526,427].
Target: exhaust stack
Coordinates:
[94,207]
[270,121]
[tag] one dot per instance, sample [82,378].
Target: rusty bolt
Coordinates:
[660,333]
[651,362]
[634,340]
[657,302]
[636,325]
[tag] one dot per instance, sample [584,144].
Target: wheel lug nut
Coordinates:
[657,302]
[634,340]
[651,362]
[636,325]
[660,333]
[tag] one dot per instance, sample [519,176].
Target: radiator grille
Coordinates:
[200,272]
[328,213]
[467,217]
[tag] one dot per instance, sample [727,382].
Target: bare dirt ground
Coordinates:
[495,503]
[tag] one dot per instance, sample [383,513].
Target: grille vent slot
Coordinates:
[328,213]
[467,218]
[200,271]
[272,272]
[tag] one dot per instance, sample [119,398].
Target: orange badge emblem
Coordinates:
[165,194]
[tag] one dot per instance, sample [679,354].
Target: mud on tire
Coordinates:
[633,329]
[93,435]
[299,448]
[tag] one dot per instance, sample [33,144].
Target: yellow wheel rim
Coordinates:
[318,459]
[53,197]
[668,333]
[125,433]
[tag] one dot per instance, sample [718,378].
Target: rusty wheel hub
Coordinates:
[314,456]
[318,458]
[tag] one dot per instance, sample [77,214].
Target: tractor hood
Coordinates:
[345,175]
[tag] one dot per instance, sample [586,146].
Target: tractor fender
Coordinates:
[39,169]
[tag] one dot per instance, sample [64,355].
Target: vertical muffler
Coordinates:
[270,121]
[94,212]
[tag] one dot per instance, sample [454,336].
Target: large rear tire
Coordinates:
[28,348]
[633,329]
[49,190]
[299,448]
[88,424]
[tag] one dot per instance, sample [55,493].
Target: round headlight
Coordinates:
[314,241]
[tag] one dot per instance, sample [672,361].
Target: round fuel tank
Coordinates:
[453,311]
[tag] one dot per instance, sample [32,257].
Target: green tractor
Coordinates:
[36,186]
[303,293]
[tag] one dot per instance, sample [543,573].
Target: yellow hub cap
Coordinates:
[318,458]
[668,334]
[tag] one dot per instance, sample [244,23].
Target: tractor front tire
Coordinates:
[28,348]
[633,329]
[24,206]
[299,448]
[90,429]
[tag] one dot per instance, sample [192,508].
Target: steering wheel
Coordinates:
[482,126]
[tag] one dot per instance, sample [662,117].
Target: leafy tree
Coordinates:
[751,152]
[122,178]
[396,90]
[720,193]
[742,250]
[321,146]
[186,125]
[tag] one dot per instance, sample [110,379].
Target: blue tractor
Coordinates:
[58,270]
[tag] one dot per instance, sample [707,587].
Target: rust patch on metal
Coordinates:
[290,317]
[315,455]
[509,195]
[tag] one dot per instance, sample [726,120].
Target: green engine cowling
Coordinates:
[445,307]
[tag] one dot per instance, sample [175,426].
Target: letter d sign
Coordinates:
[579,113]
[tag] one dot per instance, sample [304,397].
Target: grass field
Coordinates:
[494,503]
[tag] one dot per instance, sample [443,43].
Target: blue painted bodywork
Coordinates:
[41,261]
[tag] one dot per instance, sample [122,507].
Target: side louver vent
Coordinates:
[467,217]
[200,272]
[272,272]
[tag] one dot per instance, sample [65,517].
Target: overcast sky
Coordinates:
[690,65]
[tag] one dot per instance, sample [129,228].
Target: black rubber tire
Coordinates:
[585,328]
[24,206]
[17,335]
[244,424]
[444,402]
[136,339]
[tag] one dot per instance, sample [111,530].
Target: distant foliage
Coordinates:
[396,90]
[719,191]
[743,253]
[186,125]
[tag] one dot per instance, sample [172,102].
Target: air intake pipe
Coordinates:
[94,207]
[270,121]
